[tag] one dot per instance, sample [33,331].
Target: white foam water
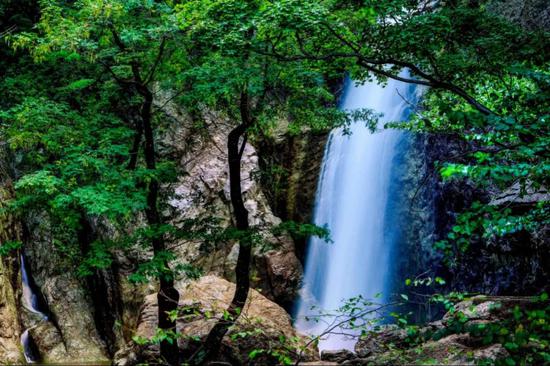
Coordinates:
[30,302]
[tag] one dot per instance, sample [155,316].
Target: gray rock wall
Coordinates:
[530,14]
[10,329]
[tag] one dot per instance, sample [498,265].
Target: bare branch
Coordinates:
[7,31]
[157,61]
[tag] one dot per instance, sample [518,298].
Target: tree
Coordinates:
[128,43]
[254,91]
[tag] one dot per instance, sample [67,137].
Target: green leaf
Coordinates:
[255,353]
[9,246]
[79,84]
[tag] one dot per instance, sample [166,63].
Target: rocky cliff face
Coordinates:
[10,328]
[530,14]
[73,330]
[510,265]
[90,319]
[426,211]
[202,191]
[290,167]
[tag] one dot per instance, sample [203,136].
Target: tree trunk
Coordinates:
[134,152]
[167,296]
[214,339]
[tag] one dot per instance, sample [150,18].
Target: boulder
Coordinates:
[487,308]
[338,356]
[388,345]
[262,324]
[284,272]
[380,341]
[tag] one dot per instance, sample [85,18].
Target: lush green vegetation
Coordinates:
[79,115]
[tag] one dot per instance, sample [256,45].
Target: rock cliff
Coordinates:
[10,322]
[92,318]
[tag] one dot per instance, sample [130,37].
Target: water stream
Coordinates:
[352,197]
[31,303]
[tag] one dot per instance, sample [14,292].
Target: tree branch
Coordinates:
[157,61]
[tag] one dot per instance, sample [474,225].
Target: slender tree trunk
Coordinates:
[214,339]
[134,152]
[167,296]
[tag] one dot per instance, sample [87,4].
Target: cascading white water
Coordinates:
[352,196]
[30,302]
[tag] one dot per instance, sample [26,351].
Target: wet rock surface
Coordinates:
[71,333]
[289,172]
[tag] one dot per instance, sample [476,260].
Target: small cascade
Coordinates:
[353,196]
[31,303]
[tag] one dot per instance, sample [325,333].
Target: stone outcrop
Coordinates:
[262,324]
[389,345]
[338,356]
[202,192]
[530,14]
[10,329]
[9,320]
[454,349]
[72,332]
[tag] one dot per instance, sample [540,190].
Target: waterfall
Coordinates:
[31,303]
[352,197]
